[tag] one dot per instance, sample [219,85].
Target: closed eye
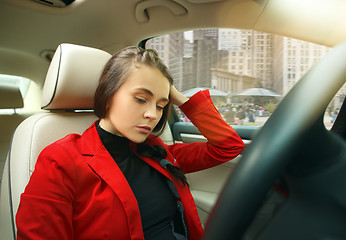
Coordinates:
[140,100]
[160,107]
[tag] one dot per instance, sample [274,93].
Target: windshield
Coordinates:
[247,72]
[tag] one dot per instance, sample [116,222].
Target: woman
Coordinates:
[117,180]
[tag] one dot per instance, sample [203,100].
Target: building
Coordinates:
[232,59]
[222,79]
[250,54]
[161,45]
[294,58]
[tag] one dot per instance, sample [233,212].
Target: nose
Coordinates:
[151,113]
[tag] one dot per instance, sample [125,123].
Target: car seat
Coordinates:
[10,100]
[68,94]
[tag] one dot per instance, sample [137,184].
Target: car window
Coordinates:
[247,72]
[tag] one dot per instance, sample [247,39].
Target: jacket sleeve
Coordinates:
[223,143]
[45,210]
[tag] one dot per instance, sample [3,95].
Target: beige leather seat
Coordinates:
[10,99]
[70,85]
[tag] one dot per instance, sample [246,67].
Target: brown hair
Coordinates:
[117,70]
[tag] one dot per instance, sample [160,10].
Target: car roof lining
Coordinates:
[80,23]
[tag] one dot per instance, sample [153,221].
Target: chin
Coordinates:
[137,139]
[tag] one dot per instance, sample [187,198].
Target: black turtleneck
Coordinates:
[157,204]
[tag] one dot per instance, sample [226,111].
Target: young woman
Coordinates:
[117,180]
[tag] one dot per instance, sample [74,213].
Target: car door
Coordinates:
[206,185]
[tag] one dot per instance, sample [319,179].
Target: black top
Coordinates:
[157,204]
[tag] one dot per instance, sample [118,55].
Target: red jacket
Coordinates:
[77,191]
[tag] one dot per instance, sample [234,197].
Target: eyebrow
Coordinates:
[151,94]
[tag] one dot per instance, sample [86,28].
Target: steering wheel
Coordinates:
[293,132]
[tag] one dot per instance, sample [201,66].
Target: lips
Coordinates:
[144,129]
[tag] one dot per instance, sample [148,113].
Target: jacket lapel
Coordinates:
[104,166]
[101,161]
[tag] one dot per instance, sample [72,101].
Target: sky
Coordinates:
[188,35]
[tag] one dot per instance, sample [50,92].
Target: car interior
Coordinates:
[289,181]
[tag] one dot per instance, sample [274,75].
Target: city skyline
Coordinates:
[232,59]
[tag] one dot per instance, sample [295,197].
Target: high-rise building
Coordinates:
[171,50]
[297,58]
[161,45]
[232,59]
[250,54]
[206,56]
[176,57]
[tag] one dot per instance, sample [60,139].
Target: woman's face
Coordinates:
[137,106]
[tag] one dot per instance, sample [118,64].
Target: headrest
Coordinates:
[10,97]
[72,77]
